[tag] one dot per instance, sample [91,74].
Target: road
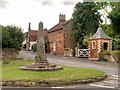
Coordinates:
[111,82]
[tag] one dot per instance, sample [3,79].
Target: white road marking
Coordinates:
[101,86]
[57,87]
[108,82]
[115,76]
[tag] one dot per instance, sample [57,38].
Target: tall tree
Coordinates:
[86,20]
[114,16]
[12,37]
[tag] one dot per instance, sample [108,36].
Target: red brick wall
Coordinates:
[56,36]
[93,52]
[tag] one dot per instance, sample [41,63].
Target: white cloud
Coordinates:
[21,12]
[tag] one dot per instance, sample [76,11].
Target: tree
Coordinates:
[108,29]
[114,16]
[86,20]
[12,37]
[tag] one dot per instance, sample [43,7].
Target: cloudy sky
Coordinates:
[21,12]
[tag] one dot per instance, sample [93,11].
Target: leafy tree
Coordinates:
[114,16]
[12,37]
[86,20]
[115,36]
[0,36]
[108,29]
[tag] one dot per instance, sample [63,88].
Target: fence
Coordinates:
[81,52]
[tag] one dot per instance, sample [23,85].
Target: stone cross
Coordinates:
[41,63]
[41,58]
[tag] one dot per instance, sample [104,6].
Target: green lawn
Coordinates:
[12,72]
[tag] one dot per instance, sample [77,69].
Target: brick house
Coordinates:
[31,37]
[99,41]
[60,38]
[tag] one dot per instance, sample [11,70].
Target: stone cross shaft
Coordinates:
[40,43]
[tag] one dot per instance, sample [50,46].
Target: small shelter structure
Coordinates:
[99,41]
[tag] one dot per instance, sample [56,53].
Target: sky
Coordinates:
[21,12]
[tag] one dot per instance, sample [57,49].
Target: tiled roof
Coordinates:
[58,26]
[100,35]
[33,34]
[33,38]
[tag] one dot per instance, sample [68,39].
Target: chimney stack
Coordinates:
[29,27]
[62,18]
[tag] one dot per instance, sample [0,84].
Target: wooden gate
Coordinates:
[82,53]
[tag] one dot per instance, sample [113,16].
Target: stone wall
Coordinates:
[68,52]
[9,53]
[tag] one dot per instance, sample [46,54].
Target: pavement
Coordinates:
[111,82]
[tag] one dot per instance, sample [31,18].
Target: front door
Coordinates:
[54,46]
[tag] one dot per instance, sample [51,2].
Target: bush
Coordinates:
[115,54]
[12,37]
[34,47]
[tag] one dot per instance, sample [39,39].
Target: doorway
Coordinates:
[105,45]
[54,46]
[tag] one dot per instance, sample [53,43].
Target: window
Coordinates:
[59,33]
[93,45]
[59,43]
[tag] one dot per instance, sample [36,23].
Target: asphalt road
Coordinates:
[110,68]
[111,82]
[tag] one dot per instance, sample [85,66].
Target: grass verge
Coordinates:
[11,72]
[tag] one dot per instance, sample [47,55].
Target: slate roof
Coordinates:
[100,34]
[58,26]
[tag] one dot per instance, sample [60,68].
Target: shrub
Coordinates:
[34,47]
[115,54]
[12,37]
